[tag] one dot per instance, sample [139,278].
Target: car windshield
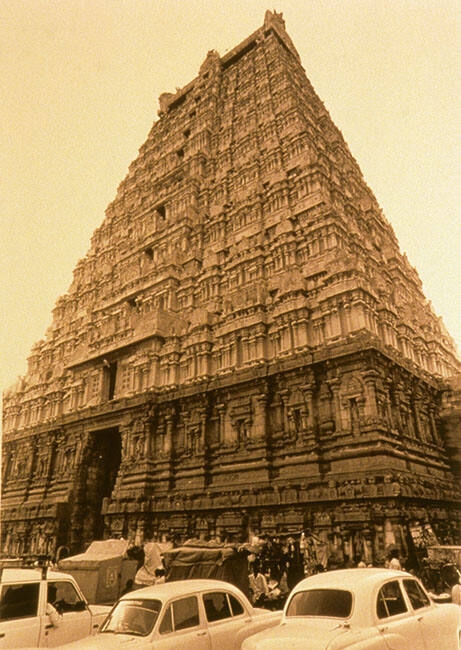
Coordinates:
[136,616]
[336,603]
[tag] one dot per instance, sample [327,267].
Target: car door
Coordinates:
[20,622]
[434,632]
[182,626]
[75,617]
[396,622]
[225,616]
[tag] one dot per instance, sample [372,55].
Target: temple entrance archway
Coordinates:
[95,481]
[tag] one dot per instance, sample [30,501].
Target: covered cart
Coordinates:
[198,559]
[445,553]
[103,571]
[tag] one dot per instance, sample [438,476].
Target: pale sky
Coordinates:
[80,84]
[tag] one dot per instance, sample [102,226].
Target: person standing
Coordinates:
[258,585]
[394,562]
[456,592]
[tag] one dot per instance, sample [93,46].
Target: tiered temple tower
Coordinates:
[244,347]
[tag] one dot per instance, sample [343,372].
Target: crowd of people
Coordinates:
[277,563]
[281,563]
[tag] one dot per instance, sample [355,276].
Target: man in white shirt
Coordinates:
[51,611]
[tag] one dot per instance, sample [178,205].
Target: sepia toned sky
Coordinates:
[80,84]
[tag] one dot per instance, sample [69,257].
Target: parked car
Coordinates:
[29,596]
[362,609]
[182,615]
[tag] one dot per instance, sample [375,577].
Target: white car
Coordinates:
[182,615]
[362,609]
[27,599]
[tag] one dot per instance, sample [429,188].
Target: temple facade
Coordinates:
[244,348]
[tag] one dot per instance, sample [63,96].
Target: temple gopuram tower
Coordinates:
[243,348]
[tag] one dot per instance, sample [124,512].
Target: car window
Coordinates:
[390,600]
[418,598]
[336,603]
[185,613]
[236,605]
[135,616]
[216,606]
[19,601]
[64,597]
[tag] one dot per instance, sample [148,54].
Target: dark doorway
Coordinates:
[110,379]
[96,481]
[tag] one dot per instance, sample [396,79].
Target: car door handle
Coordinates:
[383,628]
[419,618]
[202,633]
[2,634]
[49,626]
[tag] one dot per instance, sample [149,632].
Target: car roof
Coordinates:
[349,578]
[364,584]
[29,575]
[168,590]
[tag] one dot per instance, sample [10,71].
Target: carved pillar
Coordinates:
[370,383]
[334,387]
[433,425]
[221,408]
[261,416]
[408,416]
[168,438]
[390,414]
[125,436]
[308,392]
[147,439]
[415,406]
[201,444]
[398,413]
[283,410]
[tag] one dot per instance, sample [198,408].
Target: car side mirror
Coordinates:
[80,606]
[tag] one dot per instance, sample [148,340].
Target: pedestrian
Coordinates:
[394,562]
[456,592]
[258,585]
[273,591]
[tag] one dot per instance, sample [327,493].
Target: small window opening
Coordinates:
[354,413]
[132,302]
[187,133]
[161,211]
[297,419]
[180,153]
[111,374]
[149,252]
[192,114]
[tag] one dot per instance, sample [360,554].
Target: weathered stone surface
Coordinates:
[243,346]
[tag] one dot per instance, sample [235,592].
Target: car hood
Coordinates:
[99,610]
[314,634]
[108,641]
